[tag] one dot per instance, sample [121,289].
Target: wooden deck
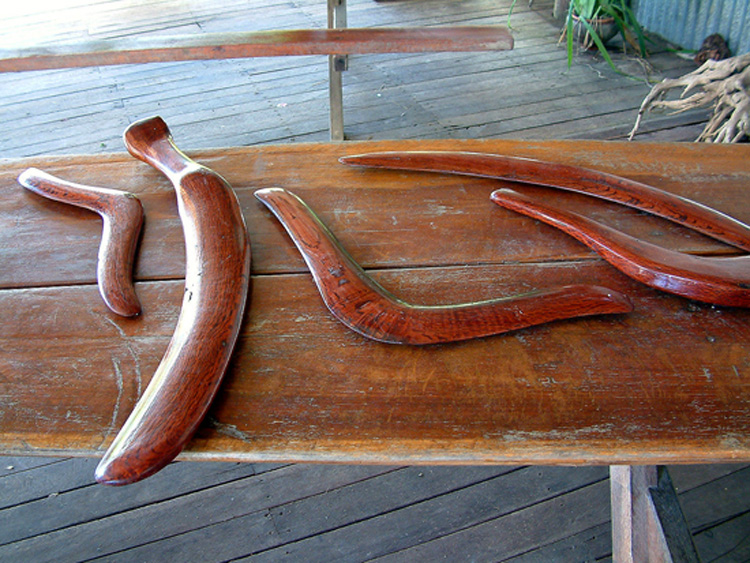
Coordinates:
[50,509]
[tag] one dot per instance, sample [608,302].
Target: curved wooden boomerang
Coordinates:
[122,219]
[573,178]
[217,274]
[364,306]
[722,281]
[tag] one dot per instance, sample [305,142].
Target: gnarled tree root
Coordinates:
[724,84]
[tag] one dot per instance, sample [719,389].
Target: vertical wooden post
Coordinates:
[647,523]
[336,64]
[560,9]
[634,522]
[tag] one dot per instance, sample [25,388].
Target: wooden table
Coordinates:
[667,383]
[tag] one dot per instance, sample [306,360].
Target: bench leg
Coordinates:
[647,522]
[336,64]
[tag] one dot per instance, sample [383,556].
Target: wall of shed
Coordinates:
[687,22]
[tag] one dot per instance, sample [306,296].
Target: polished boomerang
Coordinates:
[217,276]
[122,219]
[364,306]
[720,281]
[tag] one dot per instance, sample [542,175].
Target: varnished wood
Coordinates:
[257,44]
[364,306]
[611,187]
[217,274]
[666,383]
[122,219]
[720,281]
[452,204]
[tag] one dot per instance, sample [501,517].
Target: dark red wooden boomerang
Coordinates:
[122,219]
[599,184]
[217,274]
[363,305]
[722,281]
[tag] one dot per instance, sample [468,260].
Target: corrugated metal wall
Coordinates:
[688,22]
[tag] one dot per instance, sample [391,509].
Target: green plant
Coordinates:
[586,12]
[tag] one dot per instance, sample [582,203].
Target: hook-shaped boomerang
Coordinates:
[364,306]
[567,177]
[721,281]
[217,274]
[122,219]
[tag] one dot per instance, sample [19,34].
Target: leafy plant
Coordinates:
[586,12]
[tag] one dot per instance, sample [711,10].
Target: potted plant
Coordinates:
[595,22]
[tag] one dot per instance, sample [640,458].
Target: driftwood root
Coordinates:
[724,84]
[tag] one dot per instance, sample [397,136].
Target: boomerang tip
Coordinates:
[111,471]
[620,303]
[26,178]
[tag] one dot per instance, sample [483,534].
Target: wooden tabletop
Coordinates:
[667,383]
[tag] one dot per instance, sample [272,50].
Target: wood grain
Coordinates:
[665,383]
[122,220]
[257,44]
[364,306]
[647,521]
[721,281]
[217,274]
[574,178]
[351,202]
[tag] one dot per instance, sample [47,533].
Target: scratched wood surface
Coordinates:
[665,383]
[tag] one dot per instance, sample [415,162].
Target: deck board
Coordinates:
[50,508]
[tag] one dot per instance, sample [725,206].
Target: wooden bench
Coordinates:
[667,383]
[337,41]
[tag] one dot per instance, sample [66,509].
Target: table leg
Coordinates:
[647,521]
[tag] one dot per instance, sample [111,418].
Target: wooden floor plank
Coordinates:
[177,515]
[717,500]
[687,477]
[726,542]
[660,128]
[498,539]
[86,502]
[40,482]
[434,518]
[313,515]
[11,465]
[410,486]
[593,544]
[68,139]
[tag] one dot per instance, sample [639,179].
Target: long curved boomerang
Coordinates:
[361,304]
[611,187]
[122,219]
[721,281]
[217,274]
